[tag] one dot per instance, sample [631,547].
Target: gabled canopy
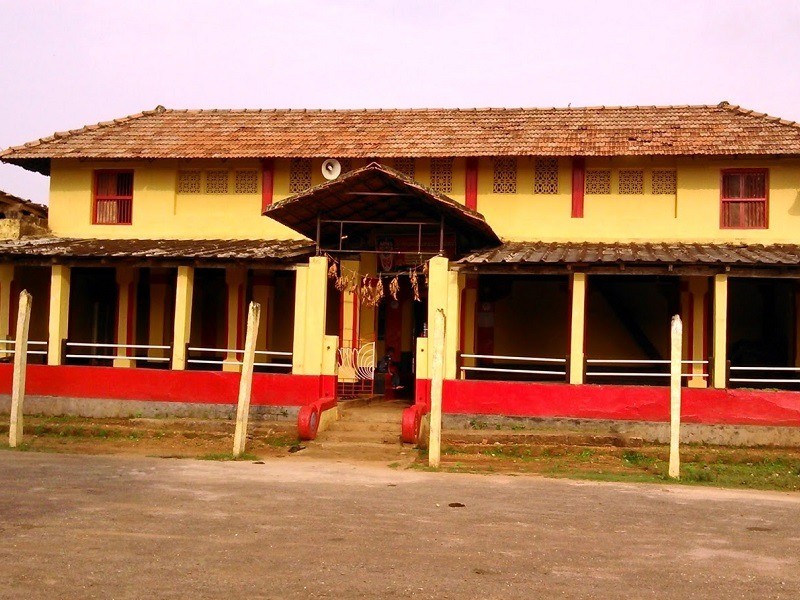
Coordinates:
[376,196]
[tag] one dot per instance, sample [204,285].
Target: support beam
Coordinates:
[235,282]
[184,290]
[6,283]
[58,324]
[720,350]
[577,333]
[444,294]
[263,286]
[126,315]
[156,335]
[695,299]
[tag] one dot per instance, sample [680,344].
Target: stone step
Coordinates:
[390,453]
[365,426]
[373,415]
[360,436]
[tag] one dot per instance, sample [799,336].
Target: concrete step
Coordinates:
[361,436]
[366,426]
[389,453]
[373,415]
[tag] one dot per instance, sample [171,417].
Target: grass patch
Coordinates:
[224,456]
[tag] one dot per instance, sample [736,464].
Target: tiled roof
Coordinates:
[23,206]
[551,253]
[721,129]
[208,250]
[379,193]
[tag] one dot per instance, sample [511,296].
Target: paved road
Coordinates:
[125,527]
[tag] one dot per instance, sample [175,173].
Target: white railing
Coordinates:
[13,343]
[751,379]
[633,362]
[236,352]
[535,360]
[106,356]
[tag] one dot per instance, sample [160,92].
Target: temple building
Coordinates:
[556,242]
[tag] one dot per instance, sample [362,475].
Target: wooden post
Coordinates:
[437,376]
[675,397]
[246,381]
[20,367]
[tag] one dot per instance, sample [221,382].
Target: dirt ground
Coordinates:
[131,527]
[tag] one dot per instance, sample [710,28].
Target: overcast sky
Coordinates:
[67,64]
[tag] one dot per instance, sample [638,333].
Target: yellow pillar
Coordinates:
[235,281]
[469,311]
[6,282]
[577,328]
[696,314]
[126,315]
[58,323]
[720,329]
[311,297]
[158,302]
[444,293]
[264,293]
[184,289]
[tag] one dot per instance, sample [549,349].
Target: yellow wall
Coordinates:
[691,214]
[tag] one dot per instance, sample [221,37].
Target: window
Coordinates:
[744,199]
[631,181]
[598,182]
[545,176]
[505,175]
[113,197]
[442,175]
[405,166]
[299,175]
[664,181]
[188,182]
[216,182]
[246,182]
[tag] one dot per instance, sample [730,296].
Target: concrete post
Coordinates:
[59,312]
[20,370]
[246,381]
[6,283]
[126,315]
[577,328]
[676,347]
[184,291]
[437,340]
[235,281]
[720,329]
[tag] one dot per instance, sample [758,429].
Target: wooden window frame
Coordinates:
[763,201]
[95,198]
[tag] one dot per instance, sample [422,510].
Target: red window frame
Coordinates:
[762,201]
[121,205]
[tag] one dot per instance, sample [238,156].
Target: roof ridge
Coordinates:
[60,135]
[748,112]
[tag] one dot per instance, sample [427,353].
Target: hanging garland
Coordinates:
[370,290]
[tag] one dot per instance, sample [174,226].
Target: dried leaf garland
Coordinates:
[412,275]
[333,271]
[394,287]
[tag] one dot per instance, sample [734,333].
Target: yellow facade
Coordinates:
[692,214]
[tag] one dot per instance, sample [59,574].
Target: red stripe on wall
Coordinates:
[578,177]
[267,182]
[471,183]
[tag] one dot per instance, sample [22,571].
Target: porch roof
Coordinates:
[379,193]
[56,249]
[619,255]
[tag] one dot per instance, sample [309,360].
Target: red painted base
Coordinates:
[632,403]
[202,387]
